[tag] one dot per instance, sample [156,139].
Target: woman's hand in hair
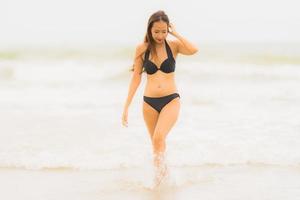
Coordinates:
[172,30]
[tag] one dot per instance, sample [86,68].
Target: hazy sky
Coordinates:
[87,22]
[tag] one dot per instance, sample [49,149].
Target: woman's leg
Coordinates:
[150,118]
[166,120]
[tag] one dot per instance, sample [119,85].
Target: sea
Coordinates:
[61,108]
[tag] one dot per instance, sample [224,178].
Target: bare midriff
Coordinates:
[160,84]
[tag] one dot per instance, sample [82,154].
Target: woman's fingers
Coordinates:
[124,120]
[172,29]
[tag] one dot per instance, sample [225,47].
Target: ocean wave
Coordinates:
[260,53]
[124,166]
[102,158]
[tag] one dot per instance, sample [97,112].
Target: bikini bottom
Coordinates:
[158,103]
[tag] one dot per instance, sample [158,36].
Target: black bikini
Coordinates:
[159,102]
[167,66]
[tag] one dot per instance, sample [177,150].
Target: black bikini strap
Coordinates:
[169,51]
[147,54]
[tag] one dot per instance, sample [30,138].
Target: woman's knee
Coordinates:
[158,138]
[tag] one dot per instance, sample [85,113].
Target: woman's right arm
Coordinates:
[135,80]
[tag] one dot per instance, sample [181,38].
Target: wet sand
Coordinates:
[245,182]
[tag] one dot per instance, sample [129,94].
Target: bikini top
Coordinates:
[167,66]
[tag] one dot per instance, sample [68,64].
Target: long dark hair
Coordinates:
[155,17]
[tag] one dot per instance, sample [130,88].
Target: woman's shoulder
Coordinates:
[173,45]
[142,47]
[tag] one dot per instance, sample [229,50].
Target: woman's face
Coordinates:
[159,31]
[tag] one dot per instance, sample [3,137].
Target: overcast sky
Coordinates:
[88,22]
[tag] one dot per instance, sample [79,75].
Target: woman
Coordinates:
[156,56]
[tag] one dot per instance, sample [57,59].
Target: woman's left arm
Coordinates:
[183,46]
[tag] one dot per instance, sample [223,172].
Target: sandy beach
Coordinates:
[246,182]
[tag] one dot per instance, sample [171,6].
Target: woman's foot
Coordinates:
[160,174]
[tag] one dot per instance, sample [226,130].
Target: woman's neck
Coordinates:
[157,45]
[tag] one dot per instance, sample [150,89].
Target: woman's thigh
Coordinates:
[167,118]
[150,118]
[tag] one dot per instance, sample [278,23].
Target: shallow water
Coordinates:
[209,182]
[66,113]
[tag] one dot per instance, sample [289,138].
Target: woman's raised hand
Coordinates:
[172,29]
